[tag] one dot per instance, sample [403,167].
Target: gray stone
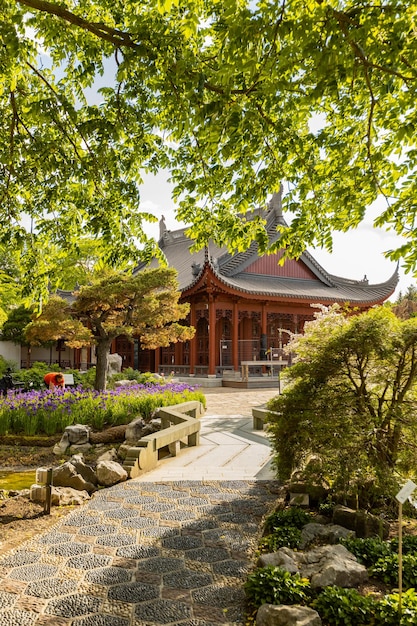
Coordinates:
[79,448]
[134,430]
[363,523]
[85,470]
[280,615]
[114,364]
[283,558]
[66,496]
[323,566]
[123,450]
[109,455]
[61,447]
[67,475]
[78,434]
[319,533]
[110,473]
[300,499]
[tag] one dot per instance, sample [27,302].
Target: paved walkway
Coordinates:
[172,547]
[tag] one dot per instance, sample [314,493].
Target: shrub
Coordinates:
[387,610]
[386,570]
[273,585]
[287,536]
[344,607]
[292,516]
[367,550]
[129,373]
[409,544]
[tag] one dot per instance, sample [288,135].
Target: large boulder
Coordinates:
[281,615]
[61,447]
[323,533]
[110,473]
[323,566]
[109,455]
[60,496]
[134,430]
[69,475]
[78,434]
[363,523]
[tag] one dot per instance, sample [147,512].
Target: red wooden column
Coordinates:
[264,320]
[235,337]
[193,341]
[212,337]
[157,359]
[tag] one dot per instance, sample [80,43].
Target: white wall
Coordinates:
[11,352]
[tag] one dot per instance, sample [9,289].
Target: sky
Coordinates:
[355,254]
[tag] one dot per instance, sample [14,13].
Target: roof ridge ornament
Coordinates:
[275,203]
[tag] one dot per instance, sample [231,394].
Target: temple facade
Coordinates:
[244,306]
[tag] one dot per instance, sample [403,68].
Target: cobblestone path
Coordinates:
[141,554]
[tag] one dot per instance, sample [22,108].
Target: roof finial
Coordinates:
[275,204]
[162,227]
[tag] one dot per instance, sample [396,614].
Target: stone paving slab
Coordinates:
[141,554]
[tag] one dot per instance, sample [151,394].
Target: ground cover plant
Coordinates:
[337,606]
[49,412]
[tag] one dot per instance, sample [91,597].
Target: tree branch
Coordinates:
[113,35]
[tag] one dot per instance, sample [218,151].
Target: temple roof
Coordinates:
[249,273]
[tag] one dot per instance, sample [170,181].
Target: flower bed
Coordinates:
[49,412]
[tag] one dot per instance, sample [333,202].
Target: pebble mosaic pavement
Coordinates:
[146,553]
[141,554]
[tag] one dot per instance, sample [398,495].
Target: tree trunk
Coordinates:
[103,348]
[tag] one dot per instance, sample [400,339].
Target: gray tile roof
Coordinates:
[233,270]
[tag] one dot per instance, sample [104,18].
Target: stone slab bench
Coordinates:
[260,416]
[179,425]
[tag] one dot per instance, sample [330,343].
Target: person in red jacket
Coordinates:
[54,379]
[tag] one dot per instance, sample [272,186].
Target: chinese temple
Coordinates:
[243,306]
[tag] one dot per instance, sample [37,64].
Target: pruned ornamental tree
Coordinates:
[231,97]
[144,306]
[351,399]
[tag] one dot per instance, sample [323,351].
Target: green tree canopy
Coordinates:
[14,327]
[351,399]
[232,97]
[144,306]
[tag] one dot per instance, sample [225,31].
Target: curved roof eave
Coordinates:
[342,290]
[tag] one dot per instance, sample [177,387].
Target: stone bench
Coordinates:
[180,424]
[260,416]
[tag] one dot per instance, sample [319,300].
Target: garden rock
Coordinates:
[323,566]
[134,430]
[363,523]
[279,559]
[61,447]
[109,455]
[280,615]
[125,383]
[110,473]
[152,427]
[316,491]
[66,496]
[114,364]
[319,533]
[78,434]
[79,448]
[67,475]
[85,470]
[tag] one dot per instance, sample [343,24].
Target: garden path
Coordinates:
[163,551]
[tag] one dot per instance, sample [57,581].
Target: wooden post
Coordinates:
[400,557]
[48,491]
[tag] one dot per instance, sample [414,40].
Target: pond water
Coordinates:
[17,480]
